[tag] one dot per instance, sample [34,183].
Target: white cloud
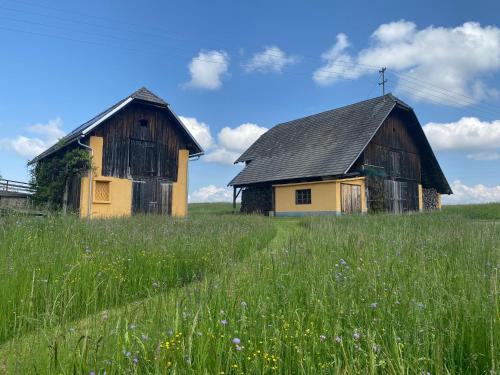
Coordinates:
[481,139]
[207,69]
[484,155]
[272,59]
[199,130]
[463,194]
[453,59]
[232,142]
[46,135]
[338,64]
[220,155]
[241,137]
[211,193]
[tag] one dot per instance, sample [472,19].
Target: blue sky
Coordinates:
[233,69]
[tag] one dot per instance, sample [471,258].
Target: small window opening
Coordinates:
[143,123]
[303,196]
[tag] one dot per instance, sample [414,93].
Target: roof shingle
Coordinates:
[324,144]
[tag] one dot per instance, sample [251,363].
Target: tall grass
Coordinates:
[370,294]
[57,269]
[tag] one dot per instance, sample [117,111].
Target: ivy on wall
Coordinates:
[49,176]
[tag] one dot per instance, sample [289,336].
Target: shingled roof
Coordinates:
[324,144]
[144,95]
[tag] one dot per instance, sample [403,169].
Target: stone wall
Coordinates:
[13,200]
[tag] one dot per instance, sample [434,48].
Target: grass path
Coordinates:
[44,342]
[382,294]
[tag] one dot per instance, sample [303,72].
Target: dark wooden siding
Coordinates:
[143,137]
[392,164]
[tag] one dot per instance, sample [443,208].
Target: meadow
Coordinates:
[232,294]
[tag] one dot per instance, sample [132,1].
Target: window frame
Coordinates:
[303,196]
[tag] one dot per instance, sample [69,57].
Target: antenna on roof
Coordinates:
[384,80]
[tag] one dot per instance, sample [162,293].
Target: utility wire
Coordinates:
[359,69]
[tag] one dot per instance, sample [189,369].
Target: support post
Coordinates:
[234,199]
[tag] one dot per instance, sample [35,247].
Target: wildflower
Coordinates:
[144,337]
[128,354]
[373,305]
[356,335]
[243,304]
[338,339]
[322,338]
[238,348]
[236,341]
[155,285]
[397,303]
[170,333]
[223,322]
[132,326]
[376,348]
[92,373]
[135,360]
[343,262]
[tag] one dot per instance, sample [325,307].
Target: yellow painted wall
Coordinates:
[120,190]
[439,201]
[179,188]
[420,198]
[325,196]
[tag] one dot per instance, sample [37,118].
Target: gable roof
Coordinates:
[324,144]
[141,95]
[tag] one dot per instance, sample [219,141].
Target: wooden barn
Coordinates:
[369,156]
[140,151]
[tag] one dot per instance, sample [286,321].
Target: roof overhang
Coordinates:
[93,125]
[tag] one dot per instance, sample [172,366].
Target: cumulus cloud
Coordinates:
[273,59]
[232,142]
[199,130]
[44,136]
[211,193]
[207,69]
[455,60]
[463,194]
[480,139]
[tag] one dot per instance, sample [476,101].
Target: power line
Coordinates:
[358,69]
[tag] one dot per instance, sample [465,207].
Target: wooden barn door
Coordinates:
[142,158]
[151,196]
[396,194]
[350,198]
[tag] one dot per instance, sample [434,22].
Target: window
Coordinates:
[303,196]
[143,123]
[101,192]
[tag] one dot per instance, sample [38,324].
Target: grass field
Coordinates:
[221,294]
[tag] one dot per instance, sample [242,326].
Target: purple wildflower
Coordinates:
[338,339]
[343,262]
[236,341]
[223,322]
[322,338]
[136,360]
[238,348]
[356,335]
[373,305]
[92,373]
[144,337]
